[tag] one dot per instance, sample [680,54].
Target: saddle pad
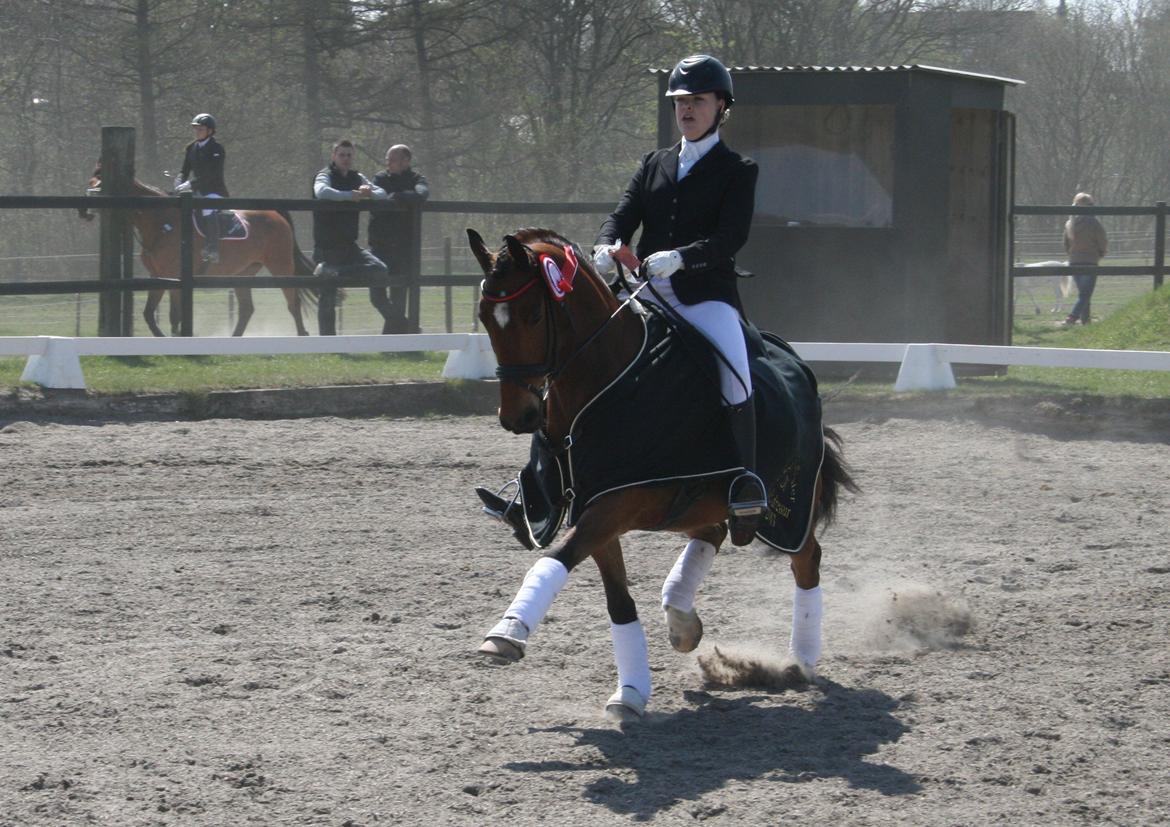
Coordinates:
[663,414]
[790,443]
[232,227]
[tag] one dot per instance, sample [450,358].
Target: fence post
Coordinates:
[447,288]
[1159,243]
[127,296]
[414,215]
[117,177]
[186,265]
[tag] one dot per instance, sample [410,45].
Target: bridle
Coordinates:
[516,373]
[547,367]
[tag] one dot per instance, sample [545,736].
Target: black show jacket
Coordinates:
[706,217]
[203,167]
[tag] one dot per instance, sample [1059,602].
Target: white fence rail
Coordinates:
[53,361]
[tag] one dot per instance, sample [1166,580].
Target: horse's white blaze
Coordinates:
[501,314]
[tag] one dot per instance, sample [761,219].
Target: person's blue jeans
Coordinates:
[1085,287]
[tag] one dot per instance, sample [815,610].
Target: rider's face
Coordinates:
[201,132]
[695,114]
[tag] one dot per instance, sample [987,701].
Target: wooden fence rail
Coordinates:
[1157,269]
[188,282]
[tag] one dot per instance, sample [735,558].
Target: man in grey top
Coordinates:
[1085,243]
[335,232]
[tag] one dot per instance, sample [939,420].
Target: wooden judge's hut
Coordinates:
[883,202]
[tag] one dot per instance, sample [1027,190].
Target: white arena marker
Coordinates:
[57,367]
[923,369]
[475,361]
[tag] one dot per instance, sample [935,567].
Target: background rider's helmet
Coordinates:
[203,120]
[697,74]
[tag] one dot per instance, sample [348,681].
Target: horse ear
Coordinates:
[520,253]
[480,251]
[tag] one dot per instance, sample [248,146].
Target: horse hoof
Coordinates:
[625,706]
[684,628]
[501,651]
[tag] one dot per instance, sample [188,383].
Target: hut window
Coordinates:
[819,165]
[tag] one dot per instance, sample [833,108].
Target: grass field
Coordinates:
[1127,315]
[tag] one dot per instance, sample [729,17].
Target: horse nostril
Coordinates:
[530,420]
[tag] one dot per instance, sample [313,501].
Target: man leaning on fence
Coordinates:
[1085,242]
[335,232]
[390,236]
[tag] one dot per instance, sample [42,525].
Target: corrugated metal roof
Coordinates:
[910,67]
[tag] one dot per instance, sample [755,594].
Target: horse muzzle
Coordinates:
[526,421]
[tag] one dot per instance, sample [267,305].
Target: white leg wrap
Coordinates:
[541,585]
[632,657]
[806,625]
[511,630]
[684,579]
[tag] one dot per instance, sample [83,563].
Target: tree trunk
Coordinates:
[146,85]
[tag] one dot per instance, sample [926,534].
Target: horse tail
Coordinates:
[302,266]
[835,475]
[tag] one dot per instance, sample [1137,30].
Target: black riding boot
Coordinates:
[211,238]
[746,498]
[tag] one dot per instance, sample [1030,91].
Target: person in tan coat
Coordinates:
[1085,243]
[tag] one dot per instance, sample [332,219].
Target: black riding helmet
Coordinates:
[203,120]
[697,74]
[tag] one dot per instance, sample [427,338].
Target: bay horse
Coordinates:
[270,243]
[558,345]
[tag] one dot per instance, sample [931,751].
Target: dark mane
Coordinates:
[529,236]
[97,173]
[145,186]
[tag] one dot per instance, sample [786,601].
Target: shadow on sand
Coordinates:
[682,756]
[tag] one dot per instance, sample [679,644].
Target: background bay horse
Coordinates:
[558,345]
[270,244]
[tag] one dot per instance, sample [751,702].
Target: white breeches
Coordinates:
[211,195]
[719,324]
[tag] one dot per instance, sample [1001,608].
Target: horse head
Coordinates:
[524,308]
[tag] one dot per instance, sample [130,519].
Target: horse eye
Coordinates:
[535,313]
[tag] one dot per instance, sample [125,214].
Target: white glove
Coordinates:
[603,258]
[184,186]
[662,264]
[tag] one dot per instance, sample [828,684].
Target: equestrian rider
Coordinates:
[694,202]
[202,174]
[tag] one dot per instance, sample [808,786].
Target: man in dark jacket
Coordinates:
[202,174]
[390,236]
[335,232]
